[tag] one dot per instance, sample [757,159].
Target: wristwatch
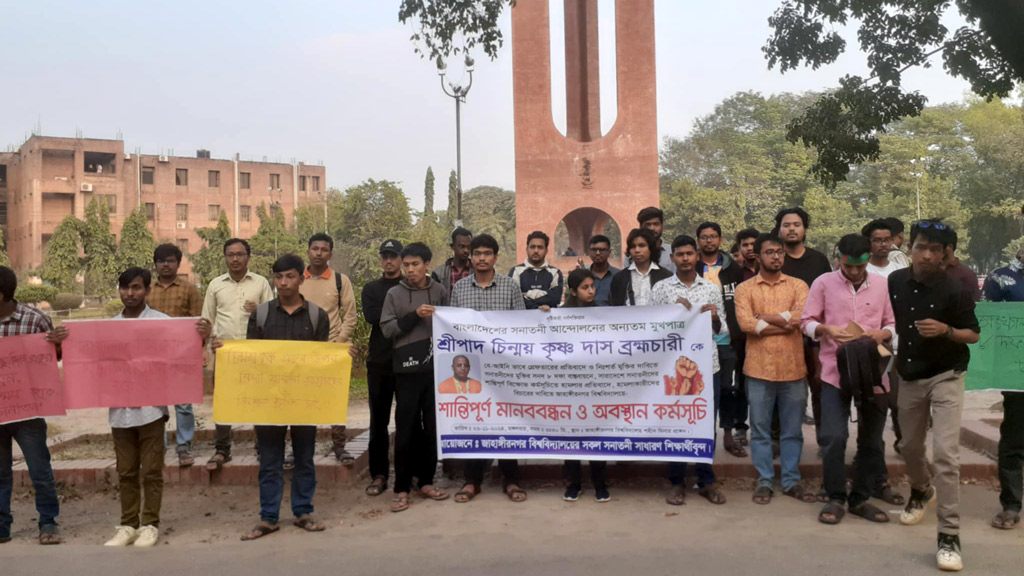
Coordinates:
[949,332]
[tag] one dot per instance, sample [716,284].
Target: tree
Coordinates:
[453,199]
[208,261]
[843,126]
[428,193]
[686,205]
[492,210]
[62,263]
[368,214]
[474,22]
[99,246]
[273,238]
[137,244]
[4,260]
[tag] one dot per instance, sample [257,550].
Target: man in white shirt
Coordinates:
[879,233]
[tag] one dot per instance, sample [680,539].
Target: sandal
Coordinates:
[762,495]
[515,493]
[467,493]
[429,491]
[797,491]
[217,461]
[834,509]
[345,458]
[400,502]
[307,523]
[1006,520]
[713,494]
[889,496]
[48,535]
[260,530]
[736,450]
[678,495]
[869,512]
[377,486]
[822,496]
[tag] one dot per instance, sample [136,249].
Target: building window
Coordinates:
[181,177]
[275,181]
[3,214]
[302,183]
[316,183]
[3,176]
[182,244]
[150,211]
[99,162]
[111,201]
[214,212]
[244,214]
[147,175]
[181,212]
[243,180]
[214,178]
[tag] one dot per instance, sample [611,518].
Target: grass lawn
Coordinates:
[357,389]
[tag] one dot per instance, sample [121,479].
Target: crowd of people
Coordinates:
[882,327]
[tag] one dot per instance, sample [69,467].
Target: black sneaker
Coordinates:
[948,556]
[572,493]
[916,506]
[601,494]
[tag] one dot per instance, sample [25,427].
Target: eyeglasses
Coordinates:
[773,253]
[708,238]
[930,224]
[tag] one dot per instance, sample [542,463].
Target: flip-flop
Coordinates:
[463,495]
[835,509]
[400,503]
[1006,520]
[433,493]
[307,523]
[259,531]
[869,512]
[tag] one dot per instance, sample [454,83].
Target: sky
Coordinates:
[338,82]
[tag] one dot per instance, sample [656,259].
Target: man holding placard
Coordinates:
[19,320]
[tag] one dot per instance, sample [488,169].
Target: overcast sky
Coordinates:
[338,81]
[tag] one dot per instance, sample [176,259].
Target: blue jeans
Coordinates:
[705,472]
[271,441]
[791,397]
[31,437]
[184,426]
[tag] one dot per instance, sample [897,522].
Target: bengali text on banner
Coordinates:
[997,360]
[127,363]
[630,383]
[29,379]
[281,382]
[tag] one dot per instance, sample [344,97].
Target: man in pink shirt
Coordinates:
[849,294]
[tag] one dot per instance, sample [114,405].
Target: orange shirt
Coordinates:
[778,358]
[450,386]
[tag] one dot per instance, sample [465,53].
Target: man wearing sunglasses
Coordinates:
[935,322]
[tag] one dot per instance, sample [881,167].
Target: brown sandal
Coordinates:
[48,535]
[307,523]
[217,461]
[797,491]
[400,502]
[1006,520]
[677,497]
[515,493]
[713,494]
[762,495]
[259,531]
[465,494]
[377,486]
[430,491]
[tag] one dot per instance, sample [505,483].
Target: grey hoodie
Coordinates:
[398,319]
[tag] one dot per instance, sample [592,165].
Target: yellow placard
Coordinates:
[281,382]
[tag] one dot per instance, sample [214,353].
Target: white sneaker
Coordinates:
[148,536]
[917,506]
[948,556]
[124,536]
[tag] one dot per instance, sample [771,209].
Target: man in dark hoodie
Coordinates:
[406,320]
[457,267]
[719,268]
[540,282]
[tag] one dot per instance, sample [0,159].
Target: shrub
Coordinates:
[35,293]
[112,308]
[65,301]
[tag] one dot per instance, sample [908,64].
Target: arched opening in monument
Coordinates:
[573,234]
[584,85]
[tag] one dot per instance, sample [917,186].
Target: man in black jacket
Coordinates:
[634,285]
[720,269]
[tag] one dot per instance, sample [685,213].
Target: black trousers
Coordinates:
[1011,451]
[475,469]
[416,430]
[835,431]
[732,411]
[380,380]
[598,473]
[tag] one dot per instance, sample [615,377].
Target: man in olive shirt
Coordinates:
[230,299]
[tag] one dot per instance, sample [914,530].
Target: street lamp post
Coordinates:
[458,93]
[274,204]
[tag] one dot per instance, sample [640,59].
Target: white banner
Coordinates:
[630,383]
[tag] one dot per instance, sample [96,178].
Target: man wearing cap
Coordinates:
[380,376]
[331,291]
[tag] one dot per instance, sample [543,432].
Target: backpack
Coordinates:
[315,312]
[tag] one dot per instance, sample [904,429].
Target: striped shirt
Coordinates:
[25,320]
[502,293]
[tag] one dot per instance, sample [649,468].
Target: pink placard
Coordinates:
[128,363]
[29,379]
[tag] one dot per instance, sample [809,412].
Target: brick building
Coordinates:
[50,178]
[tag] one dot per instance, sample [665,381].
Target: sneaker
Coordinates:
[917,505]
[147,536]
[124,536]
[948,557]
[602,495]
[572,493]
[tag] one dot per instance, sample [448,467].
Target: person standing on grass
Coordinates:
[380,374]
[230,300]
[288,317]
[935,322]
[17,319]
[485,290]
[582,294]
[691,290]
[406,320]
[178,299]
[332,292]
[138,434]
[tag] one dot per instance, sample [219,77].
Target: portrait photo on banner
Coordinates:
[465,374]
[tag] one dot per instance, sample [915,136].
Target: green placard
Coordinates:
[997,360]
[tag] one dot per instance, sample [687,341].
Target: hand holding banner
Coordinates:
[281,382]
[29,379]
[997,360]
[128,363]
